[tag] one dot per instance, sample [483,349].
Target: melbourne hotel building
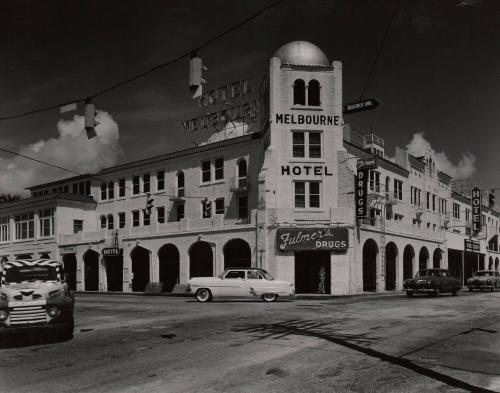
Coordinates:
[281,197]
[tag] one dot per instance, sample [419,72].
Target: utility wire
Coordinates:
[151,70]
[386,33]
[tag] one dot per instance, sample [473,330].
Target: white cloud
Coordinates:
[465,168]
[71,149]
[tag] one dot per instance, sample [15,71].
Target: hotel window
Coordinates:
[398,189]
[103,222]
[298,144]
[303,142]
[180,184]
[219,206]
[243,207]
[467,214]
[111,223]
[456,210]
[307,194]
[314,144]
[77,226]
[121,220]
[160,214]
[160,180]
[206,171]
[433,203]
[146,218]
[374,181]
[135,218]
[111,190]
[46,219]
[136,187]
[121,188]
[219,168]
[4,229]
[146,183]
[179,211]
[428,200]
[104,192]
[299,92]
[313,93]
[25,226]
[242,173]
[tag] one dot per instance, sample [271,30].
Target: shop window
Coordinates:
[206,171]
[160,180]
[111,223]
[121,220]
[219,168]
[313,93]
[121,188]
[299,92]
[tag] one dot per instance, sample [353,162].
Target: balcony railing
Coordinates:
[239,184]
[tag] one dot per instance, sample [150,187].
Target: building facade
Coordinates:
[280,198]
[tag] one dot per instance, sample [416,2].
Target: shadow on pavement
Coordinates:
[17,340]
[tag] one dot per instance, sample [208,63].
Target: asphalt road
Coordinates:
[358,344]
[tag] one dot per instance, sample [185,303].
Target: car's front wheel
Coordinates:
[203,295]
[269,297]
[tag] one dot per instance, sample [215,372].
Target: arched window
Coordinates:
[110,221]
[104,191]
[111,190]
[180,184]
[313,93]
[103,222]
[242,168]
[299,92]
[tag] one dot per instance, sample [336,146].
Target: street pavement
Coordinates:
[354,344]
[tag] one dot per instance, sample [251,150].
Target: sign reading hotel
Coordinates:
[229,111]
[293,239]
[476,209]
[112,251]
[318,120]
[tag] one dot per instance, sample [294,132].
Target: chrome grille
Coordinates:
[27,315]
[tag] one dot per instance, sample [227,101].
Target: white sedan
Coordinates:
[242,282]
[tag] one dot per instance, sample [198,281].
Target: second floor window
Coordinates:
[46,218]
[219,206]
[135,218]
[111,224]
[179,211]
[136,187]
[398,189]
[77,226]
[307,194]
[180,184]
[456,210]
[25,226]
[243,207]
[104,192]
[160,214]
[160,180]
[111,190]
[306,144]
[219,168]
[121,220]
[206,171]
[104,222]
[146,183]
[121,188]
[374,181]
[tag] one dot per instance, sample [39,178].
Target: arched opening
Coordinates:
[313,93]
[490,263]
[103,222]
[169,266]
[237,254]
[91,267]
[437,256]
[370,256]
[391,256]
[140,268]
[423,258]
[201,260]
[69,261]
[299,92]
[497,261]
[408,258]
[110,221]
[114,272]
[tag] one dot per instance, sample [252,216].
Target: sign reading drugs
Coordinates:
[360,190]
[476,209]
[295,239]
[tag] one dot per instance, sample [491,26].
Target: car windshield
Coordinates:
[485,274]
[30,273]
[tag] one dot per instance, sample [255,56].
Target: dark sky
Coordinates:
[439,71]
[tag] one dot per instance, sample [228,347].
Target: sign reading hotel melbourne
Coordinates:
[112,251]
[294,239]
[476,209]
[322,120]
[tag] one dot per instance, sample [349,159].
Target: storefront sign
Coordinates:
[367,163]
[316,170]
[67,250]
[360,191]
[471,245]
[294,239]
[476,209]
[318,120]
[112,251]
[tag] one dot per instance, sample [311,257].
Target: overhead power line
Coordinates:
[379,50]
[151,70]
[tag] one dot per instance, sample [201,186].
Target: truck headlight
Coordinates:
[53,312]
[4,315]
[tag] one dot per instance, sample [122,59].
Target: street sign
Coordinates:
[476,209]
[471,245]
[367,163]
[359,106]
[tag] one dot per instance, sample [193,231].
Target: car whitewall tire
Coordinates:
[269,297]
[203,295]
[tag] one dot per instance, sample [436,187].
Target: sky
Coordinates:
[437,77]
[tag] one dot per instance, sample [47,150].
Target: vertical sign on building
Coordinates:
[361,186]
[476,209]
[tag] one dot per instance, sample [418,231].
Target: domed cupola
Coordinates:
[302,53]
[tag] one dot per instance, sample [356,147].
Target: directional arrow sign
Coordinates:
[359,106]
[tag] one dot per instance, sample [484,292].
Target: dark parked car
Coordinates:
[432,282]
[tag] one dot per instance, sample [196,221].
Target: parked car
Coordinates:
[432,282]
[484,279]
[240,282]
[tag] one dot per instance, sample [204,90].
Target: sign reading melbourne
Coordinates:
[294,239]
[112,251]
[322,120]
[476,209]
